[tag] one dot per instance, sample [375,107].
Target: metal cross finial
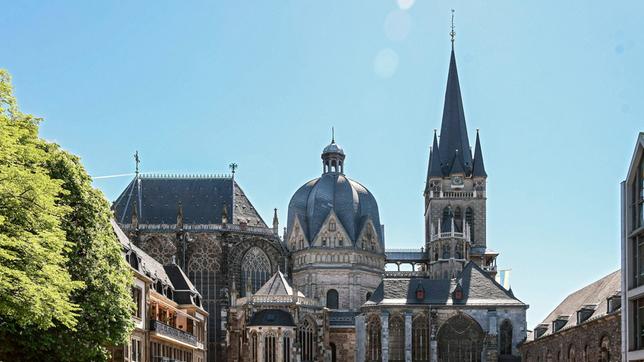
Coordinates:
[452,33]
[137,160]
[233,166]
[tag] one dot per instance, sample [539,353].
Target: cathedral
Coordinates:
[320,291]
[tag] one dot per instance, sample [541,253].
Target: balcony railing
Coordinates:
[174,333]
[278,300]
[456,194]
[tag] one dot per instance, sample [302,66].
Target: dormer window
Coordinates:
[540,330]
[458,293]
[614,303]
[559,323]
[585,312]
[332,226]
[420,292]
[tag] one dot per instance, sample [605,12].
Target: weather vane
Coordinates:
[452,33]
[137,160]
[233,166]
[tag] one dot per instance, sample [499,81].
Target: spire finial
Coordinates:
[233,166]
[332,134]
[452,33]
[137,160]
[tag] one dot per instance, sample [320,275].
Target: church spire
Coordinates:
[478,169]
[453,127]
[434,166]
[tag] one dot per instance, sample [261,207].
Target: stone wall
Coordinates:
[344,340]
[585,340]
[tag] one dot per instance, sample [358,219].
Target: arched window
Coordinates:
[396,339]
[458,219]
[332,299]
[255,270]
[571,354]
[368,296]
[420,339]
[460,338]
[253,347]
[286,346]
[307,339]
[604,352]
[586,354]
[469,218]
[334,356]
[505,338]
[373,339]
[270,354]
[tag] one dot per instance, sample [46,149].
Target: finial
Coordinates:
[332,134]
[137,160]
[233,166]
[452,33]
[435,130]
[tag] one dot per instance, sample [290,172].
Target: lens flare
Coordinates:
[386,63]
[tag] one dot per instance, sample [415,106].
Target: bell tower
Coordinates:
[455,192]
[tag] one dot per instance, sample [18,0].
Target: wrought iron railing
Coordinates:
[169,331]
[202,227]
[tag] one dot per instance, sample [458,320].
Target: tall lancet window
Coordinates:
[469,219]
[374,339]
[396,339]
[255,270]
[420,339]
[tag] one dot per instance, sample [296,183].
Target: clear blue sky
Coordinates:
[555,87]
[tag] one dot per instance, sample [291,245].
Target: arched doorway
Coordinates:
[460,339]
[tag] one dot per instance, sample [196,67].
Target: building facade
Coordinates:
[632,190]
[169,319]
[209,226]
[583,327]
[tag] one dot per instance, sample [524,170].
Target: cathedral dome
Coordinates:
[333,193]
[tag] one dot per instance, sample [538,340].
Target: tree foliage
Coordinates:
[57,251]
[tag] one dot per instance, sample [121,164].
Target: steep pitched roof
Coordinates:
[479,289]
[453,127]
[478,169]
[595,294]
[202,199]
[277,285]
[434,165]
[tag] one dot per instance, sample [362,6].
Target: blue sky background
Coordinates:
[555,87]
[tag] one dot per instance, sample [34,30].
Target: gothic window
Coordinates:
[458,219]
[586,354]
[446,252]
[255,270]
[458,254]
[604,353]
[420,339]
[204,256]
[469,219]
[332,299]
[270,354]
[340,241]
[505,338]
[396,339]
[286,347]
[333,352]
[253,347]
[332,226]
[460,338]
[307,338]
[160,248]
[373,339]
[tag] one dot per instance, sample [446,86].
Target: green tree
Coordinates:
[99,298]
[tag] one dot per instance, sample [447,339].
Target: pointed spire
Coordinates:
[478,169]
[453,127]
[276,223]
[457,164]
[434,165]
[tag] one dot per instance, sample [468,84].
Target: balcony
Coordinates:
[457,194]
[174,333]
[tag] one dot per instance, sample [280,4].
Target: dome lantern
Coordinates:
[333,158]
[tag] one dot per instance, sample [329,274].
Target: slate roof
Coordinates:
[202,199]
[171,274]
[478,169]
[271,317]
[596,293]
[352,203]
[277,285]
[479,289]
[453,128]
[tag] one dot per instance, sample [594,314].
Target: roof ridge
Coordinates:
[183,176]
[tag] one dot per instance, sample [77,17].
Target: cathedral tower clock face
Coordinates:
[457,181]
